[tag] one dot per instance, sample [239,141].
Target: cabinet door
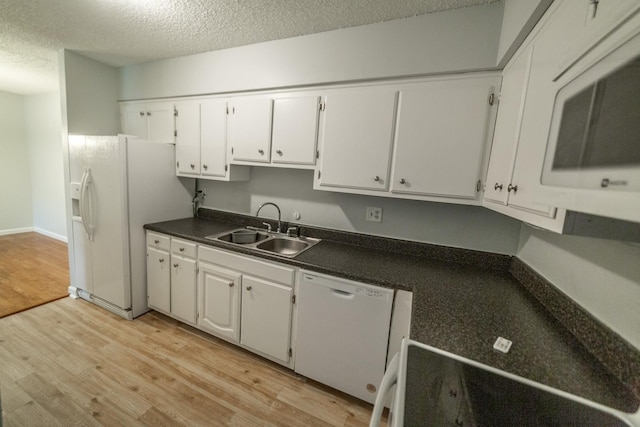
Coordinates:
[550,48]
[295,130]
[219,301]
[506,134]
[357,137]
[158,280]
[187,117]
[266,317]
[251,131]
[442,127]
[160,122]
[134,120]
[213,143]
[183,288]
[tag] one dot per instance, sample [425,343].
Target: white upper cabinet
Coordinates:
[213,138]
[524,116]
[188,137]
[507,131]
[201,141]
[441,133]
[357,138]
[295,130]
[250,132]
[424,139]
[153,121]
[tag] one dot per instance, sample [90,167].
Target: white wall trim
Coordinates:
[16,231]
[51,234]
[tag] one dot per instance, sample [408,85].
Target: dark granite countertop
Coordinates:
[462,301]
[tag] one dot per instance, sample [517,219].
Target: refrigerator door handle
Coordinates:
[84,213]
[90,210]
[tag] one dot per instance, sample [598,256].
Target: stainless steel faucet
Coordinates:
[279,216]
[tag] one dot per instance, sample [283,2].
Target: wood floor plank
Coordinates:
[71,362]
[34,269]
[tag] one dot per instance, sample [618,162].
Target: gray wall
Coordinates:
[520,16]
[15,186]
[43,131]
[470,227]
[457,40]
[88,92]
[603,276]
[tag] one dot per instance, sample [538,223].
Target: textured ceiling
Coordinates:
[123,32]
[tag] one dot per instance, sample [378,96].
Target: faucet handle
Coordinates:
[268,226]
[293,231]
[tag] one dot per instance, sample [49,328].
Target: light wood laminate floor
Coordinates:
[72,363]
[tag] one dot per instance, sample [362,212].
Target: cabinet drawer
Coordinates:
[267,270]
[158,241]
[183,248]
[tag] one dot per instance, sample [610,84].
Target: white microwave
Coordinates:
[594,138]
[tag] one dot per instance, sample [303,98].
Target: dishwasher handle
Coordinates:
[342,294]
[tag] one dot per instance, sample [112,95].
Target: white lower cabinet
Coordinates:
[171,276]
[219,301]
[251,303]
[183,289]
[158,280]
[246,301]
[266,317]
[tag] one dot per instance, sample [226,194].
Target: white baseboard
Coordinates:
[16,231]
[50,234]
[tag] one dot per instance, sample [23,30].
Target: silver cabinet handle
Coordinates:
[376,178]
[402,180]
[498,187]
[248,288]
[279,152]
[156,241]
[231,284]
[181,249]
[193,166]
[148,113]
[142,113]
[261,151]
[512,187]
[205,167]
[161,260]
[175,265]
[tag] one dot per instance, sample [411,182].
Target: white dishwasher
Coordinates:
[343,333]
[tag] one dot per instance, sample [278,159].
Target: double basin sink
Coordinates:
[264,241]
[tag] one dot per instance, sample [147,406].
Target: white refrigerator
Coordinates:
[116,185]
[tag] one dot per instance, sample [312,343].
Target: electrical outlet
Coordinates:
[374,214]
